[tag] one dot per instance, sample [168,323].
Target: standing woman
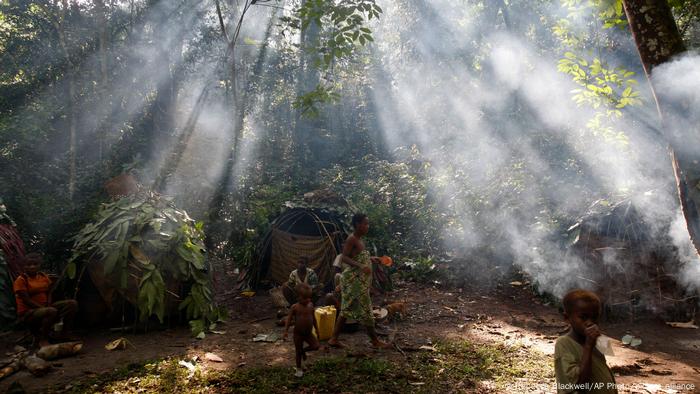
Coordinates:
[355,283]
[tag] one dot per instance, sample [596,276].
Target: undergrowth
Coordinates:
[454,366]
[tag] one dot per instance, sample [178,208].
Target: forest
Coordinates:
[168,163]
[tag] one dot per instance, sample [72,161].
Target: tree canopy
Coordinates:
[469,128]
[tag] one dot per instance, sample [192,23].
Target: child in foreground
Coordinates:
[304,320]
[578,365]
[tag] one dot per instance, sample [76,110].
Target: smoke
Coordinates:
[677,84]
[481,97]
[473,84]
[167,83]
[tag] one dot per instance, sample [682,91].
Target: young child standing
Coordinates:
[578,365]
[304,321]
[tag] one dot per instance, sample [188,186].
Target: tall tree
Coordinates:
[309,78]
[60,26]
[101,16]
[658,41]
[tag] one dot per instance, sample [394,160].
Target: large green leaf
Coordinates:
[70,269]
[110,261]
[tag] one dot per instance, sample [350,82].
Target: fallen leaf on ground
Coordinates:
[430,348]
[676,324]
[213,357]
[118,344]
[266,338]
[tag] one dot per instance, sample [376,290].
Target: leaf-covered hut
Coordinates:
[147,252]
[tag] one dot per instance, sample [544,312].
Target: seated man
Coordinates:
[332,296]
[34,307]
[301,275]
[337,270]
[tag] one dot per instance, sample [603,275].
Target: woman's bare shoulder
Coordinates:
[352,241]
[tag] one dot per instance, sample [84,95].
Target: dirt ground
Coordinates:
[667,361]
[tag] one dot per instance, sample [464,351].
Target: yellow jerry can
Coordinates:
[325,319]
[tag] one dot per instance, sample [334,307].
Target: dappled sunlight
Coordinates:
[503,152]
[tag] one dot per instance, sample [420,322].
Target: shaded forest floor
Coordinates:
[463,340]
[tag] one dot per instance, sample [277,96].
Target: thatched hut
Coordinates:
[634,264]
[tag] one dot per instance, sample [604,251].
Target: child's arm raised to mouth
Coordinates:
[585,368]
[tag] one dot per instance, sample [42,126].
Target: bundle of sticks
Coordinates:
[37,364]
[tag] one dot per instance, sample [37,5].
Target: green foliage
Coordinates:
[601,85]
[148,238]
[687,15]
[309,102]
[4,217]
[344,23]
[403,218]
[37,40]
[600,125]
[610,12]
[247,215]
[420,270]
[342,29]
[605,88]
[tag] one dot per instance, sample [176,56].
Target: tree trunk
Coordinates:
[70,104]
[73,137]
[104,78]
[308,79]
[227,181]
[658,40]
[169,59]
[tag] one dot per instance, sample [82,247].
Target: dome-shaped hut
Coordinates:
[314,228]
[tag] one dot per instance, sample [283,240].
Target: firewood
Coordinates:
[36,366]
[59,350]
[10,368]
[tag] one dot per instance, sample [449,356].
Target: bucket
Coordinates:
[325,319]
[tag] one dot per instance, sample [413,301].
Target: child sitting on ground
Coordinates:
[34,305]
[578,365]
[304,320]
